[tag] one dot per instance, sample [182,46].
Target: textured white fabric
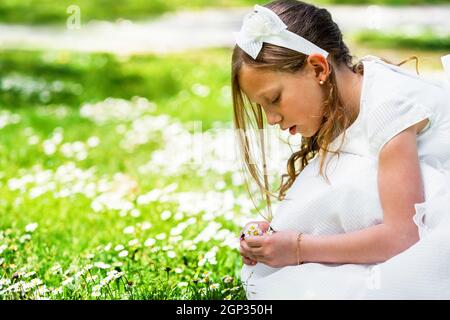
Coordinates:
[391,100]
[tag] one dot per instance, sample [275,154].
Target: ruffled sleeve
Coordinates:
[446,65]
[389,117]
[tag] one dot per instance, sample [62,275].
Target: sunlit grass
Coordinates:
[424,40]
[182,84]
[88,210]
[92,205]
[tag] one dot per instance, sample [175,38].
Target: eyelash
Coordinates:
[277,99]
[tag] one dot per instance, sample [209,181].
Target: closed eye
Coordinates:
[277,99]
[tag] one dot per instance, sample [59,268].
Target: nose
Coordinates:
[273,118]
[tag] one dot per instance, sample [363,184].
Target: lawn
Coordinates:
[102,197]
[424,40]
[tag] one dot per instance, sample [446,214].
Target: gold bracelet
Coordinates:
[299,239]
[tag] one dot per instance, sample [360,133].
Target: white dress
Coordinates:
[391,101]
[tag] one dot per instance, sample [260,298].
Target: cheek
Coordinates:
[305,109]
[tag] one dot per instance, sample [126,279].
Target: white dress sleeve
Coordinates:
[388,117]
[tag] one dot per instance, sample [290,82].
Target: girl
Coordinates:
[377,225]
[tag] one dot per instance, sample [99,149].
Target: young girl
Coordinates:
[377,225]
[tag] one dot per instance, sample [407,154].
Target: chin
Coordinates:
[308,134]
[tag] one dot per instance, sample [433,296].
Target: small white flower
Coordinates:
[24,238]
[35,282]
[79,274]
[67,281]
[220,185]
[29,274]
[33,140]
[178,216]
[161,236]
[118,275]
[178,270]
[111,273]
[90,256]
[149,242]
[92,142]
[133,242]
[200,90]
[31,227]
[128,230]
[201,262]
[119,247]
[102,265]
[182,284]
[252,230]
[165,215]
[49,147]
[171,254]
[96,291]
[214,286]
[56,291]
[90,278]
[135,213]
[146,225]
[123,254]
[56,268]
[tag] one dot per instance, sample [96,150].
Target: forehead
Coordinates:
[255,81]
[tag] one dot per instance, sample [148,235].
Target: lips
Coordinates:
[293,130]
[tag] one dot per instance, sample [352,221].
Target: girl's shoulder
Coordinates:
[393,99]
[384,81]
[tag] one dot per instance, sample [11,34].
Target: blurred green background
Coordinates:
[99,196]
[48,11]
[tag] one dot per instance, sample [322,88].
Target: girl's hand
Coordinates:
[264,226]
[276,250]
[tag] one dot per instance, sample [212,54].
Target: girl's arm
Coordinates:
[400,187]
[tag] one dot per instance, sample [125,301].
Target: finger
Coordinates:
[245,250]
[264,225]
[255,241]
[252,253]
[248,261]
[257,252]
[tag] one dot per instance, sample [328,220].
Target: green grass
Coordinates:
[76,229]
[49,11]
[425,40]
[182,83]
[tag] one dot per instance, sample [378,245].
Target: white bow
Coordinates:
[264,25]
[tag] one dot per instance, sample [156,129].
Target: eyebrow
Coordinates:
[266,91]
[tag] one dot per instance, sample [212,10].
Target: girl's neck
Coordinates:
[349,85]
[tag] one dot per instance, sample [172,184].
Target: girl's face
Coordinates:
[294,101]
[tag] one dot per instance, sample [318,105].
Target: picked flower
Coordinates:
[252,229]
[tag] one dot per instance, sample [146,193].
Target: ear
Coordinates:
[320,65]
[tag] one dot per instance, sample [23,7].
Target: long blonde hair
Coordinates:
[317,26]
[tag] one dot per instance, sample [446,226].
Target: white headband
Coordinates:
[264,25]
